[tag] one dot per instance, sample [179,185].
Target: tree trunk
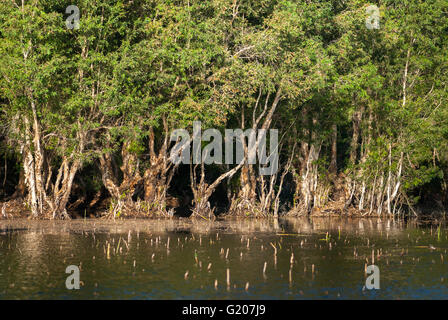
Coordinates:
[29,173]
[21,187]
[357,116]
[334,139]
[155,177]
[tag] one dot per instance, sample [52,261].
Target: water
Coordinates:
[412,259]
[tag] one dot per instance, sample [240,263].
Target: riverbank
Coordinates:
[17,209]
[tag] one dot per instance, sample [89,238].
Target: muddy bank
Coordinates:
[18,209]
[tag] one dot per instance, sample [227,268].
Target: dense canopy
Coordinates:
[86,113]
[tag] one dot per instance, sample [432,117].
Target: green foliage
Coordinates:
[133,67]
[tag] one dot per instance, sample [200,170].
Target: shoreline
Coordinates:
[16,209]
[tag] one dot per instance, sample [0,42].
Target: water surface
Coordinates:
[319,258]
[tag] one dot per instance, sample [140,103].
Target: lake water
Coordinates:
[184,259]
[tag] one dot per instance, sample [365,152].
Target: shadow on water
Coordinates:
[10,230]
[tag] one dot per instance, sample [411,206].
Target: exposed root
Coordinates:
[243,207]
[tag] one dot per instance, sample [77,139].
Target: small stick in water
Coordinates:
[216,284]
[247,286]
[228,278]
[275,248]
[186,275]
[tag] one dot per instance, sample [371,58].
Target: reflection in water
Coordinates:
[289,258]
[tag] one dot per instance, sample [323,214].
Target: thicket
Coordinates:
[87,113]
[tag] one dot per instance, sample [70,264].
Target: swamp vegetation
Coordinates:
[86,114]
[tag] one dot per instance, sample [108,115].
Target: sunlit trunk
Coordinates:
[155,177]
[333,162]
[30,173]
